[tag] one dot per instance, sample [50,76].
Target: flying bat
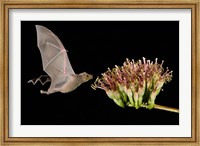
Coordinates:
[56,64]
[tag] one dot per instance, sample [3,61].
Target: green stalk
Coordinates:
[165,108]
[161,107]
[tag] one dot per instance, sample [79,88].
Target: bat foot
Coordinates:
[44,92]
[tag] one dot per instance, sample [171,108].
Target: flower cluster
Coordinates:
[135,84]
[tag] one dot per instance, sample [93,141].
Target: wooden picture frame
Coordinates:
[4,81]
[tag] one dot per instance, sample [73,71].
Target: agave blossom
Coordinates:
[135,83]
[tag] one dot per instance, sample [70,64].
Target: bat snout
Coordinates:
[90,76]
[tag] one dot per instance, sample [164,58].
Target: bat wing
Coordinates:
[54,56]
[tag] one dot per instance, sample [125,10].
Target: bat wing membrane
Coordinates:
[54,57]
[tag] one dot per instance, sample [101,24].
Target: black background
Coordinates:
[93,46]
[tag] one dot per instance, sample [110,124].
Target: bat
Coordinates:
[56,64]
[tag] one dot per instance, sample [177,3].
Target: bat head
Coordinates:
[86,77]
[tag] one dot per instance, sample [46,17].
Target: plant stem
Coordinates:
[170,109]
